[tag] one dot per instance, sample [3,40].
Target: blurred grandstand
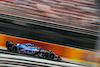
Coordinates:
[67,22]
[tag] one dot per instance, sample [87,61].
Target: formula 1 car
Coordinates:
[28,48]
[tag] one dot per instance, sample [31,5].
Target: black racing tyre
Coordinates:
[51,56]
[15,49]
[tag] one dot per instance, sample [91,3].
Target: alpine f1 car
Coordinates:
[28,48]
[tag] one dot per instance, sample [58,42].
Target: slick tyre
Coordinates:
[15,49]
[51,56]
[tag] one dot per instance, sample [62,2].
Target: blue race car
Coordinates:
[28,48]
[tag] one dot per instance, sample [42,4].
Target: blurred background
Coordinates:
[70,28]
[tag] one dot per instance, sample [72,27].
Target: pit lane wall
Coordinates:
[63,51]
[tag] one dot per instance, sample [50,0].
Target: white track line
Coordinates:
[6,59]
[40,60]
[9,65]
[3,48]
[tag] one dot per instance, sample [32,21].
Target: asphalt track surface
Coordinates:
[10,59]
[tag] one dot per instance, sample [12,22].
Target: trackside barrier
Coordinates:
[63,51]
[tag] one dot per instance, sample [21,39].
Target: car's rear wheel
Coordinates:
[15,49]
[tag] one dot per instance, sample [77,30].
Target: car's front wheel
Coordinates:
[51,56]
